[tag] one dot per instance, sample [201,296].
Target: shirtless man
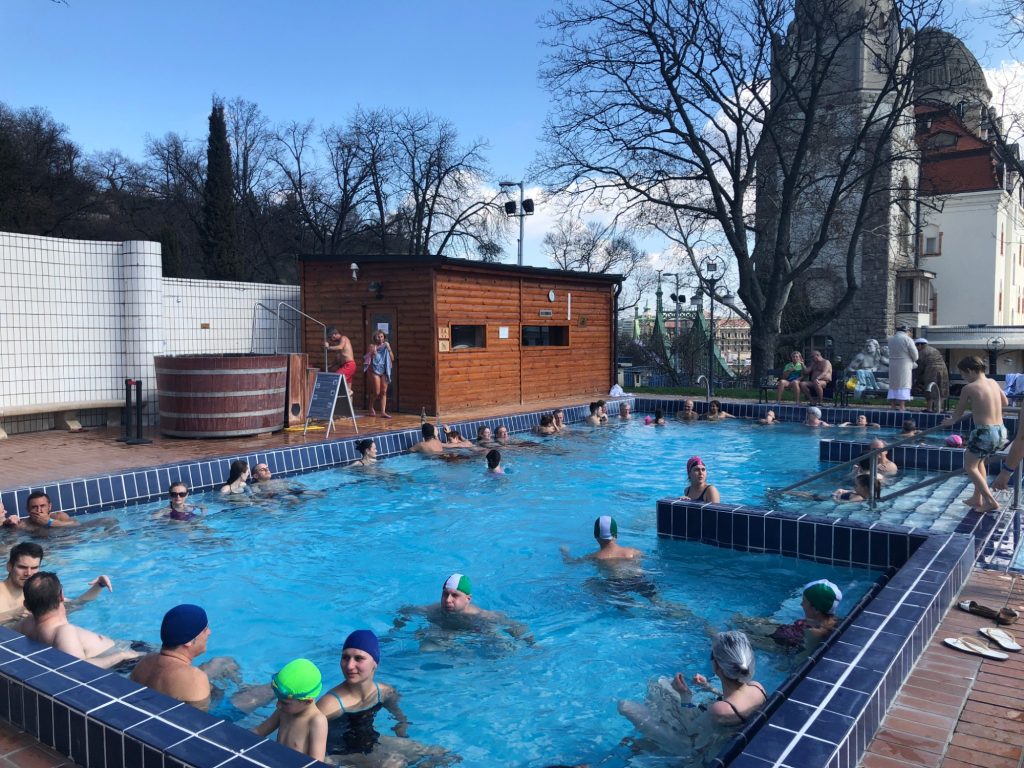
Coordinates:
[49,624]
[688,412]
[594,419]
[183,635]
[606,531]
[559,416]
[624,410]
[41,514]
[456,610]
[546,425]
[24,561]
[344,360]
[985,399]
[818,377]
[429,445]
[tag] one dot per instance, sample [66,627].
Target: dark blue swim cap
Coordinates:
[182,624]
[364,640]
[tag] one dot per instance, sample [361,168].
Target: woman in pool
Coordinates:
[862,490]
[813,418]
[698,489]
[368,451]
[861,421]
[715,412]
[237,476]
[769,418]
[351,707]
[379,358]
[677,724]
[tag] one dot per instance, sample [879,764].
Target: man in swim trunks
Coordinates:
[985,399]
[24,561]
[48,623]
[688,412]
[183,635]
[41,514]
[606,531]
[818,376]
[344,360]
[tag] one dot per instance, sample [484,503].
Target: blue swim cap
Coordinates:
[364,640]
[182,624]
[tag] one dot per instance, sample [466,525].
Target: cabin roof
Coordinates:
[447,261]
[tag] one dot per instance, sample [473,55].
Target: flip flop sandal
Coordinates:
[1002,638]
[1007,616]
[982,610]
[976,647]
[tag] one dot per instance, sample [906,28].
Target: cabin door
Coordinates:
[384,320]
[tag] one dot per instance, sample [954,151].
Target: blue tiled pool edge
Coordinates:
[834,709]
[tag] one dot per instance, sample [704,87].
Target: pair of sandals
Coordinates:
[997,635]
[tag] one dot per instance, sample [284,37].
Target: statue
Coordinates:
[868,359]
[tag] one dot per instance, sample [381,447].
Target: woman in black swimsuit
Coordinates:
[732,661]
[698,489]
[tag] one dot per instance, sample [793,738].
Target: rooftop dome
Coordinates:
[947,71]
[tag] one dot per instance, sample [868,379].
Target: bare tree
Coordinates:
[684,108]
[595,247]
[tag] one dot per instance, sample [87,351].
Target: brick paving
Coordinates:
[958,710]
[19,750]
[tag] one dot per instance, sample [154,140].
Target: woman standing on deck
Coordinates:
[379,359]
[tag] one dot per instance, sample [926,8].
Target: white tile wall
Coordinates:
[78,317]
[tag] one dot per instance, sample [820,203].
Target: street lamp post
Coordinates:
[711,275]
[525,209]
[676,298]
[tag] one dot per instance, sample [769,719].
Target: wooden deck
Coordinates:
[957,710]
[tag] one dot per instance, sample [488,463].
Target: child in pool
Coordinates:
[298,722]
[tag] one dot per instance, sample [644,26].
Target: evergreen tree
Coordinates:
[218,226]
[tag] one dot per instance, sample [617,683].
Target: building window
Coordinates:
[545,336]
[932,245]
[469,336]
[913,295]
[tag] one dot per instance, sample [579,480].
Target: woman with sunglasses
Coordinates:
[699,489]
[181,510]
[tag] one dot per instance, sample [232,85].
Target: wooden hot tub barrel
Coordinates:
[221,395]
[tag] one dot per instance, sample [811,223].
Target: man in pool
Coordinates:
[48,623]
[41,514]
[184,632]
[559,416]
[457,611]
[687,412]
[22,564]
[429,445]
[594,419]
[606,531]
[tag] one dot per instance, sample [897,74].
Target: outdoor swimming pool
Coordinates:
[281,580]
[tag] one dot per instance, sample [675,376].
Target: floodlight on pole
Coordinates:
[525,209]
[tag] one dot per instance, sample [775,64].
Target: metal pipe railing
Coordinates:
[308,317]
[707,388]
[277,327]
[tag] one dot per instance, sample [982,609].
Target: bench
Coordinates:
[65,415]
[771,380]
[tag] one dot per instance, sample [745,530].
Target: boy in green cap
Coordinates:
[298,722]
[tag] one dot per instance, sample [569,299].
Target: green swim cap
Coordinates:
[823,595]
[459,582]
[299,679]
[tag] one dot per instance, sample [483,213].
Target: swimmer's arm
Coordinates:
[390,702]
[108,660]
[96,587]
[316,744]
[569,559]
[518,631]
[406,612]
[703,682]
[62,519]
[269,725]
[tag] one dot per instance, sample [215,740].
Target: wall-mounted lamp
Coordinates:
[377,287]
[355,270]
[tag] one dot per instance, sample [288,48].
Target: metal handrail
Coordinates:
[277,327]
[308,317]
[873,455]
[707,387]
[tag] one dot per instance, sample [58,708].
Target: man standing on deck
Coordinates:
[344,360]
[24,561]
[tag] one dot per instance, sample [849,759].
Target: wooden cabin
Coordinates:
[466,333]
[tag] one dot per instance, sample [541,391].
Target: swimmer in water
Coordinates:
[298,721]
[558,415]
[769,418]
[861,421]
[670,717]
[699,489]
[546,426]
[179,509]
[456,611]
[367,452]
[237,475]
[819,601]
[494,462]
[352,706]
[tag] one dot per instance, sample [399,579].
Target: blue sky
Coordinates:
[114,71]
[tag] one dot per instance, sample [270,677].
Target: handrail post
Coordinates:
[1016,503]
[873,480]
[308,317]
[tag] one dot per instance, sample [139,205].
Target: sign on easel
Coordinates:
[322,401]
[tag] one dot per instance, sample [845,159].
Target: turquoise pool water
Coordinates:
[288,578]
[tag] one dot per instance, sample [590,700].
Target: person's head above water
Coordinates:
[456,593]
[822,595]
[299,679]
[428,430]
[605,528]
[814,412]
[595,408]
[182,624]
[493,459]
[732,653]
[695,462]
[364,446]
[363,640]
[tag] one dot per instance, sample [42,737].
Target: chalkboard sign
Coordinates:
[325,392]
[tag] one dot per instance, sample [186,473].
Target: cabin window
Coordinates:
[469,336]
[545,336]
